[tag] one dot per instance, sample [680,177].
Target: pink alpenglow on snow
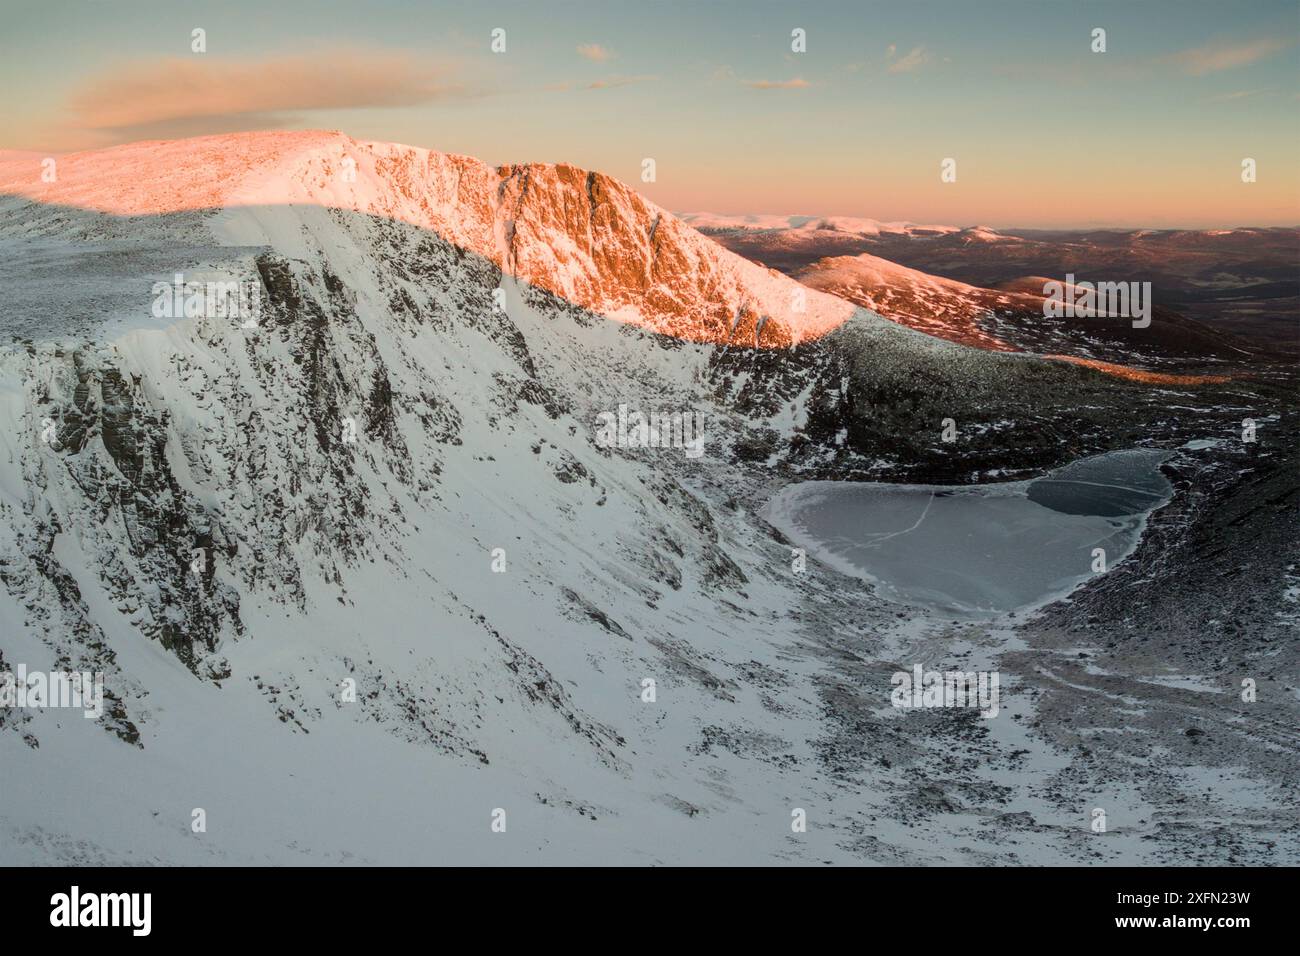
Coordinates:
[580,235]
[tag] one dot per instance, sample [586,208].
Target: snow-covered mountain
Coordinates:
[576,234]
[360,570]
[941,307]
[808,226]
[1012,317]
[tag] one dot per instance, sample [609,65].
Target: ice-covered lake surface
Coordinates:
[978,550]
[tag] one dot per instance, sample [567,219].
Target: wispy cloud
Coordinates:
[1216,57]
[595,52]
[798,83]
[609,82]
[177,96]
[1238,95]
[914,59]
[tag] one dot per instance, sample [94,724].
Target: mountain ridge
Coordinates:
[621,255]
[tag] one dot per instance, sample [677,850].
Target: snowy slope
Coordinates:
[940,307]
[198,526]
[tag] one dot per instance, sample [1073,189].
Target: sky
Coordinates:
[1045,132]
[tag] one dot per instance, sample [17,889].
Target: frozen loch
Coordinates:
[978,550]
